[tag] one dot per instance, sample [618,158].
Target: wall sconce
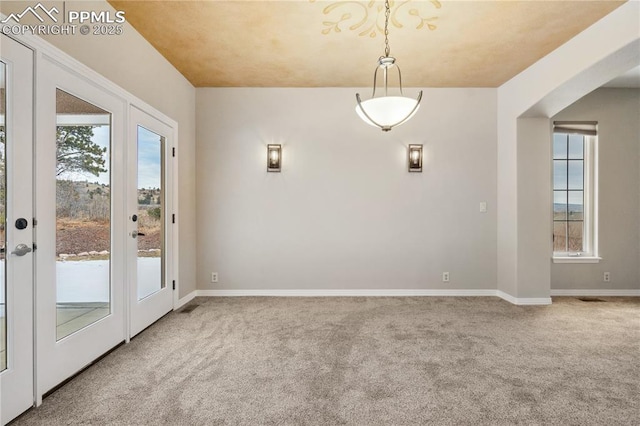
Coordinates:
[415,158]
[274,157]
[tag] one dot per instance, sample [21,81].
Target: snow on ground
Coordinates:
[88,280]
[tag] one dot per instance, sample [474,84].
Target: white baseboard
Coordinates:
[375,293]
[186,299]
[595,292]
[402,292]
[345,293]
[523,300]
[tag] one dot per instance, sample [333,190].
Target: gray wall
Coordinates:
[617,112]
[344,213]
[598,54]
[534,213]
[132,63]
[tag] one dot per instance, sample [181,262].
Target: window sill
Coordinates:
[576,259]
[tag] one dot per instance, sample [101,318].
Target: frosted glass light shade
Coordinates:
[274,157]
[388,111]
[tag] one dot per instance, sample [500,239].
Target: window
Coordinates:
[574,194]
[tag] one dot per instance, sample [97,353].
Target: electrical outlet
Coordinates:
[483,207]
[445,277]
[607,277]
[214,277]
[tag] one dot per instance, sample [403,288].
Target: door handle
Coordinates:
[22,249]
[134,234]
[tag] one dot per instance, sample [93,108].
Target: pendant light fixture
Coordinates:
[387,111]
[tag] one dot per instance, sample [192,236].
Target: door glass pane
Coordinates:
[3,239]
[150,213]
[83,213]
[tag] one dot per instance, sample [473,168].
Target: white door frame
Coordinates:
[16,382]
[44,51]
[58,360]
[143,313]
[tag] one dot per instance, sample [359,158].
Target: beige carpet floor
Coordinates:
[367,361]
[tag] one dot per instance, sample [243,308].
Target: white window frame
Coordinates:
[590,192]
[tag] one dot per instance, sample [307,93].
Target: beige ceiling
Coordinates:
[316,43]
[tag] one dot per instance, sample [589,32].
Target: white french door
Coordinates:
[97,265]
[150,238]
[16,229]
[80,188]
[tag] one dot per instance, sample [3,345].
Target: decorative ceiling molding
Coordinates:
[367,18]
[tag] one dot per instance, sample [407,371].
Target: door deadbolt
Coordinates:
[22,223]
[134,218]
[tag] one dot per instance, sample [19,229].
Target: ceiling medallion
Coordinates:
[365,18]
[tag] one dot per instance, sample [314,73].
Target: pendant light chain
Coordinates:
[387,12]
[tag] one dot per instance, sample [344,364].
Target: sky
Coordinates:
[568,175]
[149,158]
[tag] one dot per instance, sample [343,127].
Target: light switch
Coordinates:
[483,207]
